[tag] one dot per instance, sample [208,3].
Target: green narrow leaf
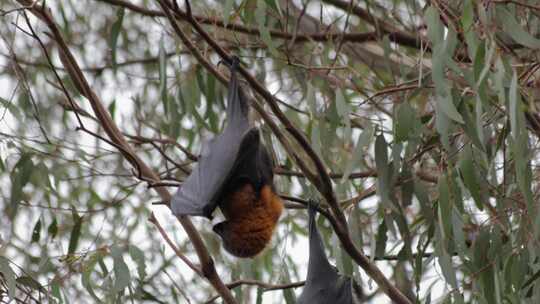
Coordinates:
[443,125]
[9,276]
[361,144]
[459,236]
[288,294]
[405,123]
[227,9]
[138,256]
[445,207]
[210,88]
[29,282]
[55,292]
[446,104]
[316,137]
[53,228]
[512,28]
[122,277]
[175,117]
[115,31]
[514,104]
[435,28]
[259,298]
[312,102]
[383,171]
[88,269]
[20,176]
[421,194]
[13,109]
[442,52]
[112,108]
[36,232]
[447,269]
[407,188]
[380,247]
[260,16]
[25,166]
[163,77]
[16,196]
[342,107]
[274,4]
[468,173]
[344,261]
[75,233]
[467,16]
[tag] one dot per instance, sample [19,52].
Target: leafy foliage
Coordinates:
[424,114]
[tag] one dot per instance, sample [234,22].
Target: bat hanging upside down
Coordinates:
[235,173]
[249,203]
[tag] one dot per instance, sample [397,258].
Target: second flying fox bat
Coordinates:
[235,173]
[323,283]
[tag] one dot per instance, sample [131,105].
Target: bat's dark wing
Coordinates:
[323,283]
[253,165]
[217,158]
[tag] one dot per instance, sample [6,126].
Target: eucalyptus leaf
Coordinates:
[75,233]
[512,28]
[122,276]
[115,31]
[9,276]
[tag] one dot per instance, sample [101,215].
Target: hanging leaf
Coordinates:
[29,282]
[468,173]
[122,277]
[88,269]
[12,108]
[138,256]
[405,122]
[9,276]
[163,77]
[445,207]
[435,28]
[36,232]
[115,31]
[75,233]
[512,28]
[53,228]
[260,16]
[227,9]
[384,187]
[359,151]
[20,176]
[381,239]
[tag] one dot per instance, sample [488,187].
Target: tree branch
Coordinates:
[394,36]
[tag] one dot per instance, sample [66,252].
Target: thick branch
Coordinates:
[385,27]
[394,36]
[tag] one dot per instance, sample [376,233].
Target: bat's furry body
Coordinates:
[250,220]
[248,201]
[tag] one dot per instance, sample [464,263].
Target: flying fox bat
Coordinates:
[234,172]
[323,283]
